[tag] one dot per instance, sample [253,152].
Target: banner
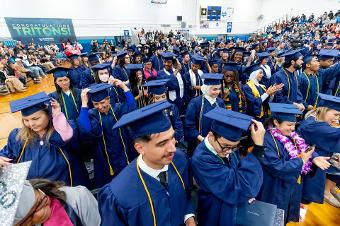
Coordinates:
[40,29]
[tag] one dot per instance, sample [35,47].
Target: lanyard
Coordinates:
[74,102]
[337,90]
[104,141]
[288,82]
[147,190]
[308,88]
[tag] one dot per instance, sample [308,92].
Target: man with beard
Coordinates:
[290,93]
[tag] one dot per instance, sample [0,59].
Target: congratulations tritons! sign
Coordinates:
[40,29]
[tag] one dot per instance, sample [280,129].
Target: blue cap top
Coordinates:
[93,57]
[292,55]
[135,67]
[74,56]
[168,55]
[99,91]
[213,61]
[176,50]
[100,67]
[184,52]
[59,72]
[197,59]
[328,53]
[224,50]
[230,66]
[146,59]
[271,49]
[212,79]
[30,104]
[251,68]
[156,86]
[204,44]
[83,54]
[284,112]
[121,54]
[228,124]
[329,101]
[239,49]
[263,55]
[148,120]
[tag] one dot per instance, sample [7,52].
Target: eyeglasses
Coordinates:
[227,148]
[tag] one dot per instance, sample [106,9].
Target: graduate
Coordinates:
[213,66]
[290,94]
[47,139]
[119,71]
[272,58]
[67,96]
[224,53]
[157,92]
[149,72]
[287,156]
[263,63]
[237,55]
[177,85]
[258,95]
[113,150]
[76,70]
[193,76]
[225,179]
[154,189]
[196,127]
[318,129]
[232,93]
[137,83]
[87,77]
[156,59]
[102,75]
[313,79]
[186,62]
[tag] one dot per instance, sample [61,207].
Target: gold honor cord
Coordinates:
[147,190]
[288,82]
[74,102]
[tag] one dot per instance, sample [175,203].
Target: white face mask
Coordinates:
[104,77]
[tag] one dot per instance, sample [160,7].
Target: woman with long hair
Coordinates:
[232,94]
[136,83]
[49,203]
[47,139]
[287,157]
[120,72]
[196,126]
[67,96]
[321,128]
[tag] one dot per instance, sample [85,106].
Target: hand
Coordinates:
[190,222]
[307,155]
[322,162]
[257,132]
[56,109]
[310,107]
[120,84]
[111,80]
[300,106]
[271,90]
[84,97]
[200,138]
[5,161]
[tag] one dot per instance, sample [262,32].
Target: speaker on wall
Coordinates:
[179,18]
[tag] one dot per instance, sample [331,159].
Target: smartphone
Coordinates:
[310,148]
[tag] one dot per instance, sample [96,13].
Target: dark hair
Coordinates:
[269,122]
[58,89]
[134,81]
[145,138]
[216,136]
[50,188]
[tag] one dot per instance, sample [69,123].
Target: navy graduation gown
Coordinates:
[280,176]
[75,75]
[176,122]
[70,104]
[185,68]
[117,150]
[124,202]
[326,140]
[255,104]
[191,92]
[290,92]
[234,100]
[50,160]
[157,62]
[121,73]
[223,185]
[265,80]
[87,78]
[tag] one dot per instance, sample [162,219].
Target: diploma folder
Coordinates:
[256,214]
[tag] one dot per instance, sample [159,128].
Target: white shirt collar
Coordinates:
[150,171]
[209,146]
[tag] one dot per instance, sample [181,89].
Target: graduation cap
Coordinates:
[134,67]
[228,124]
[156,86]
[224,50]
[83,54]
[252,68]
[175,50]
[146,59]
[74,56]
[213,61]
[238,49]
[168,55]
[16,202]
[184,52]
[197,59]
[230,66]
[253,46]
[98,67]
[291,55]
[281,53]
[308,58]
[328,53]
[159,47]
[212,79]
[204,44]
[93,57]
[262,55]
[121,54]
[271,49]
[31,104]
[59,72]
[329,101]
[99,91]
[148,120]
[284,112]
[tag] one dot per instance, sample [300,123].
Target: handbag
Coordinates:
[256,213]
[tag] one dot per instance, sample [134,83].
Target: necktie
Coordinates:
[163,179]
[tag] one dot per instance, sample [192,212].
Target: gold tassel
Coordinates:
[299,179]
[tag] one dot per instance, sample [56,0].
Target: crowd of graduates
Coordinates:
[225,120]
